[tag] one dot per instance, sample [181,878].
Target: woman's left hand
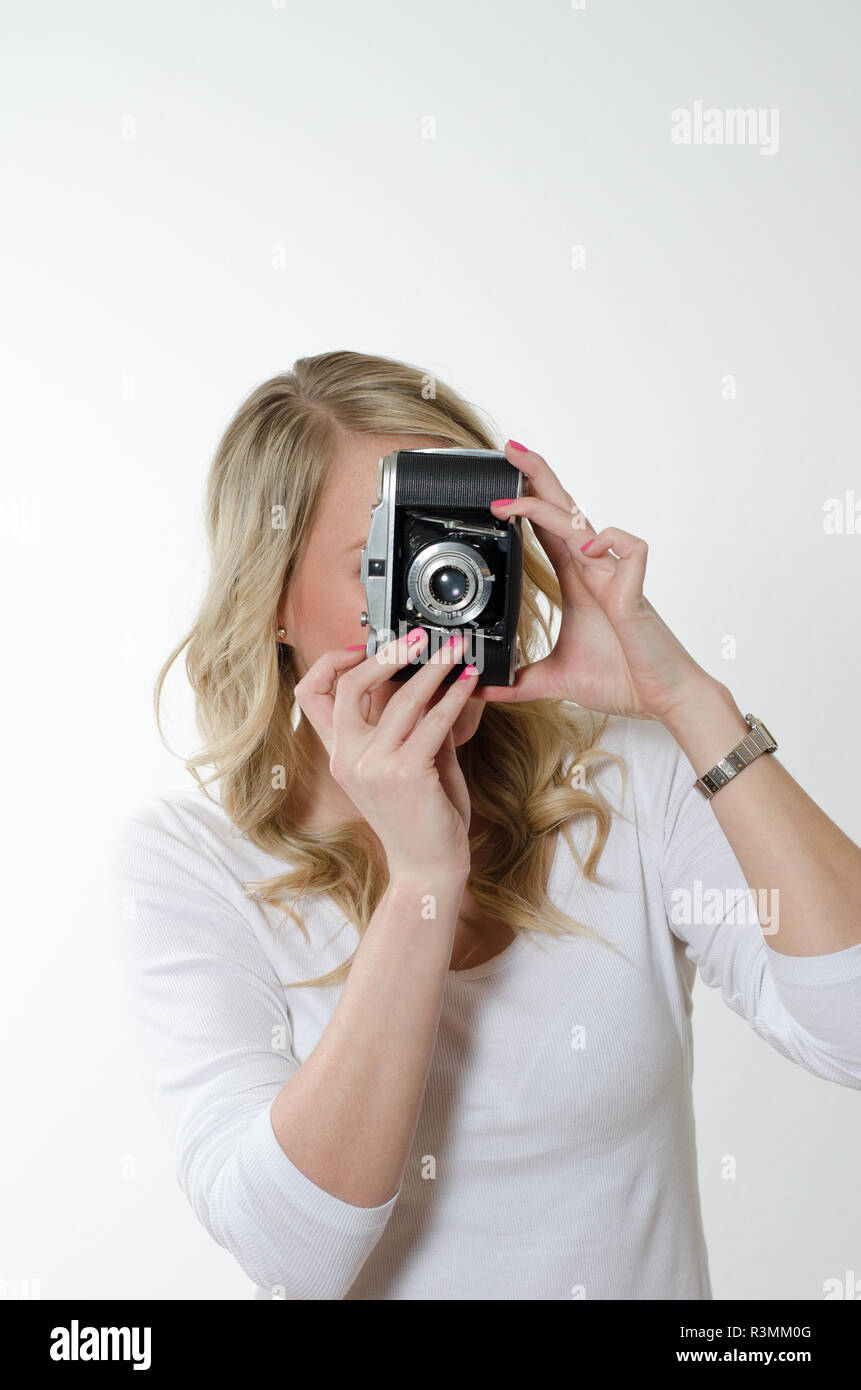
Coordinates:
[613,654]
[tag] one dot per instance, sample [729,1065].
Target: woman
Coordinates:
[408,1041]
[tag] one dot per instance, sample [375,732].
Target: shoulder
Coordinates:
[655,774]
[644,742]
[189,813]
[612,738]
[182,837]
[180,873]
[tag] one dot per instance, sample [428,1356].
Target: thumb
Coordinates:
[452,778]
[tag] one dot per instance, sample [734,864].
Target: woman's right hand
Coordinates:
[401,773]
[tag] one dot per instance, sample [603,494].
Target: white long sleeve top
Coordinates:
[555,1152]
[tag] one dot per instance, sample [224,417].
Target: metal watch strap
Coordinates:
[759,740]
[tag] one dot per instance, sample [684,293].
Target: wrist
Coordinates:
[418,878]
[706,723]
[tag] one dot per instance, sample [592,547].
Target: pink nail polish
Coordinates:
[588,543]
[467,672]
[514,444]
[415,636]
[502,501]
[359,647]
[451,641]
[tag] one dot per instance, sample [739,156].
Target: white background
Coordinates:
[198,195]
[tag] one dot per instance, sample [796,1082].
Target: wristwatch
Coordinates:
[759,740]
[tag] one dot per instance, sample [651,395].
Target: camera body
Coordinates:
[438,558]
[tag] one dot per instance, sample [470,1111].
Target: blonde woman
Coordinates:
[412,964]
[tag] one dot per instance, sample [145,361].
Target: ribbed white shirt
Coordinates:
[555,1152]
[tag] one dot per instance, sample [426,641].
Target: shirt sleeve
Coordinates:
[807,1007]
[216,1036]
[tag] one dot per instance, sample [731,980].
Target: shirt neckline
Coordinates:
[500,961]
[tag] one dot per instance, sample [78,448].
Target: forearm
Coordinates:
[780,837]
[347,1117]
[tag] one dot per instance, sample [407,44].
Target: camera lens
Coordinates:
[448,581]
[448,585]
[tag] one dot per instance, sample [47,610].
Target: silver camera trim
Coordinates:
[380,542]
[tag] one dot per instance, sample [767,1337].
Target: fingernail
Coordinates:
[451,641]
[467,672]
[415,636]
[359,647]
[502,501]
[588,543]
[514,444]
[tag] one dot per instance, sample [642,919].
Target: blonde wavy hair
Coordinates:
[276,453]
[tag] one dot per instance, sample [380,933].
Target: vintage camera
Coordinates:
[437,557]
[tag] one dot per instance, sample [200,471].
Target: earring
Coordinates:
[282,632]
